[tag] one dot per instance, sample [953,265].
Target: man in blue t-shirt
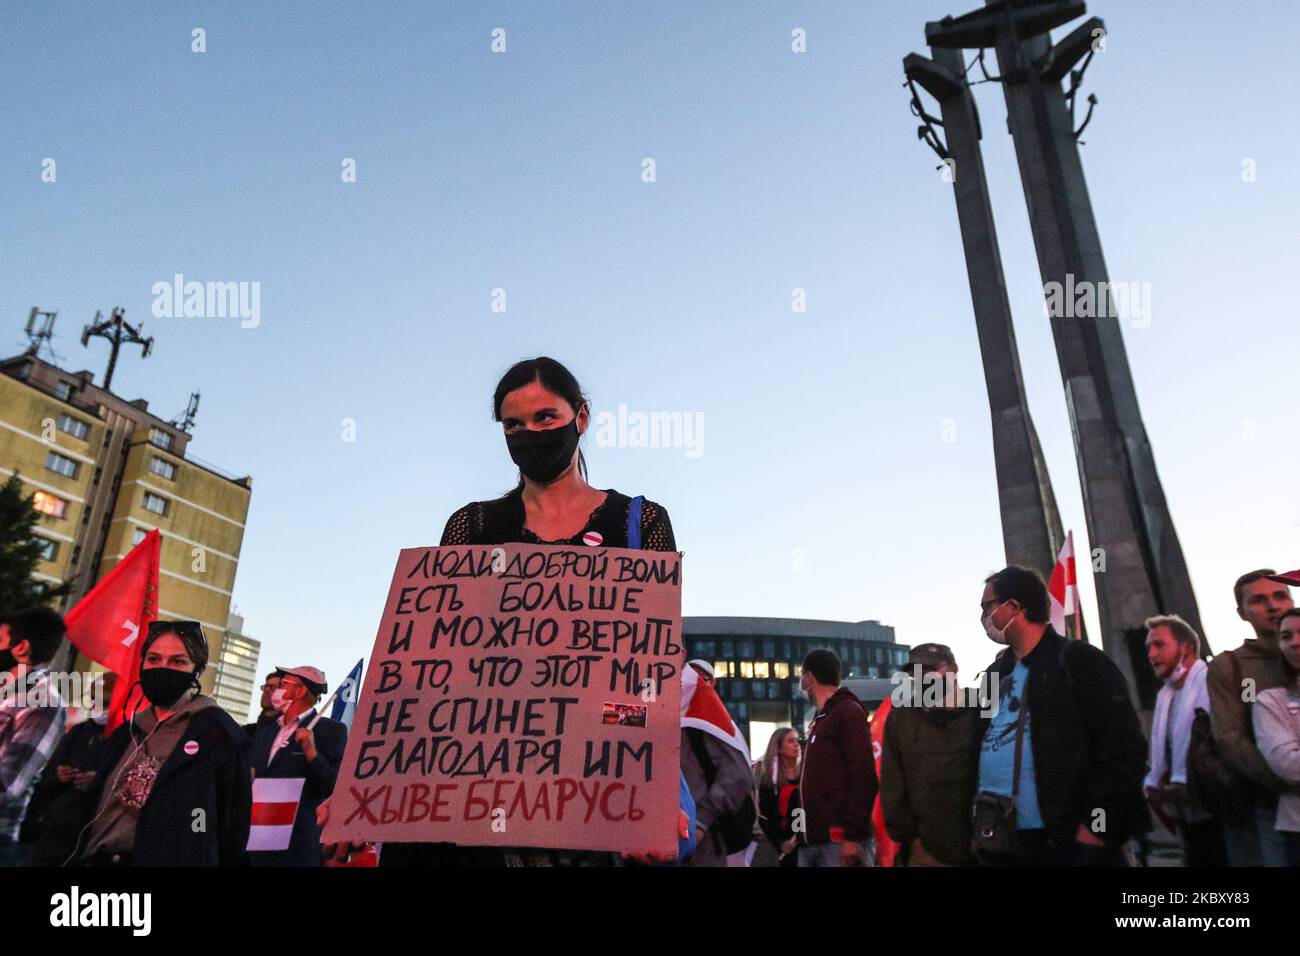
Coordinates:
[1083,752]
[998,751]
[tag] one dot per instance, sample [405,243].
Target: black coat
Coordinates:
[1089,750]
[213,778]
[57,809]
[320,774]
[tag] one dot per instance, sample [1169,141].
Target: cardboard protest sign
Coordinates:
[520,695]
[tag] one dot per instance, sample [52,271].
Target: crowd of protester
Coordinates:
[1044,763]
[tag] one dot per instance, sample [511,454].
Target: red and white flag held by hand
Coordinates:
[704,710]
[1063,588]
[275,806]
[109,624]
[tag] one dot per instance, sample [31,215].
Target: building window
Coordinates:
[137,536]
[63,390]
[160,438]
[747,669]
[728,649]
[744,648]
[49,549]
[73,426]
[781,670]
[759,691]
[722,669]
[160,466]
[61,465]
[48,504]
[761,669]
[155,503]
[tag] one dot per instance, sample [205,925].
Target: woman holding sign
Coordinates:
[544,414]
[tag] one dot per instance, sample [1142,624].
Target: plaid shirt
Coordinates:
[28,736]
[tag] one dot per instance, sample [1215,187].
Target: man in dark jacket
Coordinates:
[267,714]
[298,744]
[1084,753]
[838,783]
[928,769]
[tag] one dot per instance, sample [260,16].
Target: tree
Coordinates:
[20,551]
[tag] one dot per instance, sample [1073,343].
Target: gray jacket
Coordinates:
[733,784]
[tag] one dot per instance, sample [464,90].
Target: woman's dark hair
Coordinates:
[191,636]
[1291,672]
[554,377]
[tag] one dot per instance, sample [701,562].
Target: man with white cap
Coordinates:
[299,743]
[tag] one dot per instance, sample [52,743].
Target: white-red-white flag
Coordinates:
[275,805]
[704,710]
[1063,588]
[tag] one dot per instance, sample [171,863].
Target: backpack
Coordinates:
[736,829]
[1220,789]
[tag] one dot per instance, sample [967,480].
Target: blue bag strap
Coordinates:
[634,522]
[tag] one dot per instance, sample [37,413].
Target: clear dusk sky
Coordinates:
[822,431]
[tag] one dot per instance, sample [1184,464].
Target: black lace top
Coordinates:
[501,521]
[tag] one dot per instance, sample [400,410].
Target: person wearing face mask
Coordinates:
[927,767]
[180,760]
[267,714]
[1174,650]
[837,783]
[543,413]
[32,715]
[1062,755]
[298,743]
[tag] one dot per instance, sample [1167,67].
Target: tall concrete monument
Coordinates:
[1140,569]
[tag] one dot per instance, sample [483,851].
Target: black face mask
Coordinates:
[164,685]
[7,659]
[542,455]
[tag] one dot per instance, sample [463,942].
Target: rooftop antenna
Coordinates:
[185,421]
[118,332]
[40,329]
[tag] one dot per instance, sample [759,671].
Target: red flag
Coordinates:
[886,848]
[1063,588]
[108,624]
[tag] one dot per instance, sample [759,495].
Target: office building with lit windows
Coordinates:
[102,471]
[757,661]
[236,680]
